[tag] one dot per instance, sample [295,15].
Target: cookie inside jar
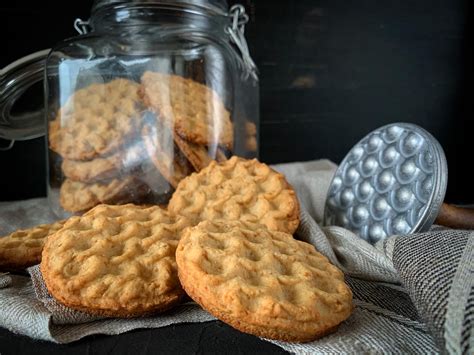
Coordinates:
[154,92]
[134,139]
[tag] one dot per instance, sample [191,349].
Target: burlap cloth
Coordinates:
[413,293]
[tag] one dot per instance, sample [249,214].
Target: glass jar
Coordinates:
[150,92]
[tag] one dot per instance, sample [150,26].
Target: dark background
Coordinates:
[331,71]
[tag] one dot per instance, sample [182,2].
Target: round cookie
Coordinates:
[164,154]
[250,128]
[250,136]
[22,248]
[195,111]
[251,144]
[197,154]
[262,282]
[238,189]
[105,168]
[116,261]
[95,120]
[76,196]
[90,171]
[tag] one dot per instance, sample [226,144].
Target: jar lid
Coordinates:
[392,182]
[214,5]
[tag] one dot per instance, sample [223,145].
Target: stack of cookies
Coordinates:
[225,240]
[190,115]
[109,136]
[95,134]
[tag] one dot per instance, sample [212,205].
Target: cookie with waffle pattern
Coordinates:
[164,154]
[251,136]
[96,120]
[115,261]
[238,189]
[262,282]
[22,248]
[77,196]
[198,155]
[123,162]
[193,110]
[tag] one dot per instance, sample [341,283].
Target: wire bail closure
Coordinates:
[81,26]
[237,35]
[236,32]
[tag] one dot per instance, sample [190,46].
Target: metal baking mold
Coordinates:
[392,182]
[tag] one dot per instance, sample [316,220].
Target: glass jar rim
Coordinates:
[215,6]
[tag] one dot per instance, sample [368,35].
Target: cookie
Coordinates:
[238,189]
[116,261]
[198,155]
[164,154]
[95,120]
[105,168]
[76,196]
[193,110]
[250,136]
[22,248]
[262,282]
[250,128]
[251,144]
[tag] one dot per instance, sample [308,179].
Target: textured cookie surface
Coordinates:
[251,136]
[194,110]
[198,155]
[105,168]
[238,189]
[164,154]
[76,196]
[115,261]
[262,282]
[95,120]
[22,248]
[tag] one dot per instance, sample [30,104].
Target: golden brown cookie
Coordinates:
[250,136]
[115,261]
[193,110]
[164,154]
[250,128]
[96,120]
[90,171]
[262,282]
[122,162]
[238,189]
[197,154]
[76,196]
[22,248]
[251,144]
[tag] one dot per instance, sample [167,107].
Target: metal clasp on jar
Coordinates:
[236,32]
[81,26]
